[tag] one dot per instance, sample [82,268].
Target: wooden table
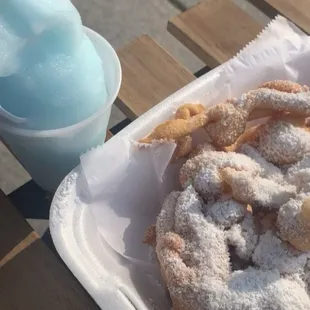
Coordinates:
[214,30]
[31,275]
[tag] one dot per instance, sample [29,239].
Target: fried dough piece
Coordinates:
[257,191]
[184,144]
[194,261]
[271,99]
[269,170]
[247,137]
[204,171]
[226,123]
[176,128]
[294,222]
[285,86]
[188,110]
[282,142]
[273,253]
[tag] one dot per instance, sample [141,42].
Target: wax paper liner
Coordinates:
[126,185]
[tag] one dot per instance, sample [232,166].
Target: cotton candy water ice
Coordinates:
[10,45]
[50,73]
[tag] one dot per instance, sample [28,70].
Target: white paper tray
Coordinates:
[114,281]
[73,227]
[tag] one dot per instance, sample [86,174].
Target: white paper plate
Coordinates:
[73,227]
[100,269]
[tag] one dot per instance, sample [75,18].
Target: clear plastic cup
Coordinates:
[49,155]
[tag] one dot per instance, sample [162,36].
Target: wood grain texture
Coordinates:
[298,11]
[31,276]
[214,30]
[32,237]
[150,74]
[14,229]
[36,279]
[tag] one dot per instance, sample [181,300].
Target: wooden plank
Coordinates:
[298,11]
[36,279]
[31,276]
[150,74]
[109,135]
[32,237]
[16,234]
[214,30]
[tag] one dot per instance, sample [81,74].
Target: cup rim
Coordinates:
[68,129]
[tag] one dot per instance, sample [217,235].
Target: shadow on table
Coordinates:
[264,7]
[47,238]
[32,201]
[179,5]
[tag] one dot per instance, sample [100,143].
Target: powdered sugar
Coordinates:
[202,237]
[276,100]
[208,183]
[198,276]
[165,221]
[293,222]
[243,237]
[226,212]
[285,86]
[203,171]
[273,253]
[299,174]
[287,216]
[257,191]
[256,290]
[283,143]
[229,125]
[192,242]
[269,170]
[194,262]
[201,148]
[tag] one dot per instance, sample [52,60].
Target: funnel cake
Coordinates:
[194,260]
[281,142]
[299,174]
[294,222]
[256,190]
[204,171]
[237,237]
[285,86]
[185,144]
[176,128]
[243,237]
[227,121]
[275,100]
[188,118]
[272,253]
[200,232]
[226,212]
[268,170]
